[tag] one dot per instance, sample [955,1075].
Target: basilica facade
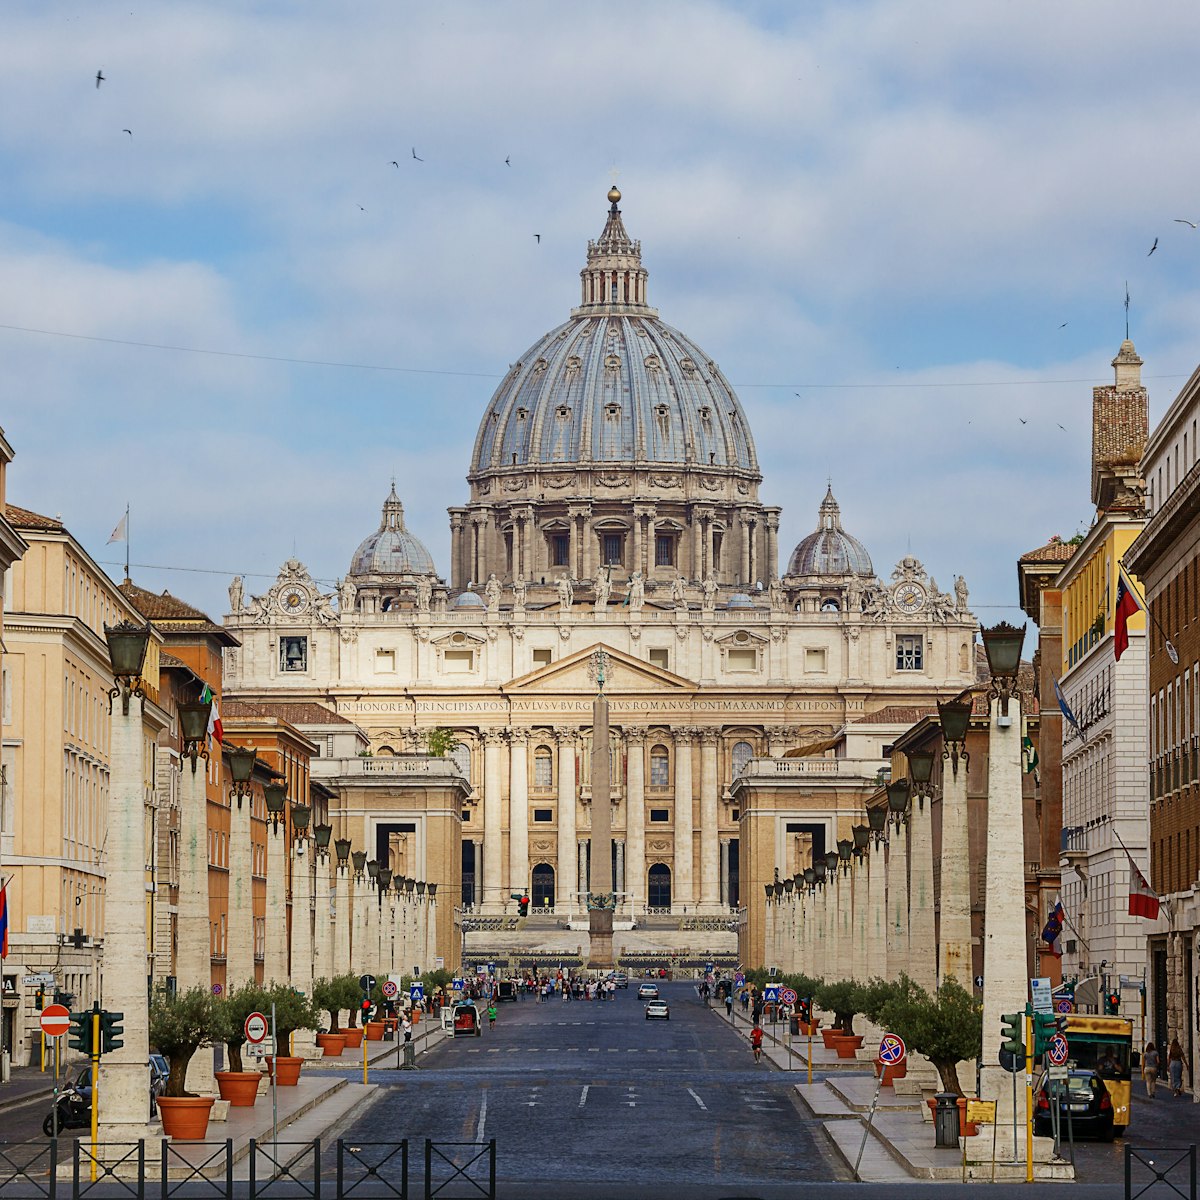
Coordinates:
[613,503]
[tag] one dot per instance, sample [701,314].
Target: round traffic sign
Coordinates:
[787,996]
[217,989]
[892,1051]
[1056,1051]
[55,1020]
[256,1027]
[1063,1005]
[390,989]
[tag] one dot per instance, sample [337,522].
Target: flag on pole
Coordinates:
[4,920]
[1128,604]
[121,533]
[1054,928]
[1031,754]
[1143,900]
[214,715]
[1068,715]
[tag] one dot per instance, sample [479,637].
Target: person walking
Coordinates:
[491,1011]
[1175,1067]
[756,1039]
[729,1005]
[1150,1068]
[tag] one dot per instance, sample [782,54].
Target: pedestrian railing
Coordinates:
[1160,1171]
[285,1168]
[460,1163]
[29,1169]
[184,1167]
[119,1168]
[372,1169]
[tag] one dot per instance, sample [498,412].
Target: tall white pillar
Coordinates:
[845,925]
[193,959]
[635,819]
[368,961]
[876,911]
[432,950]
[358,925]
[862,965]
[239,951]
[302,934]
[820,968]
[770,920]
[393,932]
[954,907]
[275,953]
[833,951]
[124,1107]
[494,892]
[1005,968]
[922,944]
[897,901]
[565,874]
[518,810]
[322,929]
[343,909]
[710,846]
[682,890]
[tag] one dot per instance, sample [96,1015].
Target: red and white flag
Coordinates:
[1143,900]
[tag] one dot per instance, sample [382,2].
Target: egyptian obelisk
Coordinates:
[601,900]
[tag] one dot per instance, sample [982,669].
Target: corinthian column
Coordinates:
[682,891]
[710,845]
[341,923]
[302,937]
[518,810]
[635,819]
[565,874]
[493,889]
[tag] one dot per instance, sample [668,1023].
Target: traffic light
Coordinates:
[1112,1004]
[79,1036]
[804,1009]
[111,1031]
[1013,1034]
[523,906]
[1045,1026]
[366,1008]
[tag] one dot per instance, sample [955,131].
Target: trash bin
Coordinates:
[794,1020]
[945,1120]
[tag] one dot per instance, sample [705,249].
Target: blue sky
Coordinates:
[899,228]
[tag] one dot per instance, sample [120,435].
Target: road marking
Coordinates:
[697,1100]
[593,1049]
[583,1095]
[482,1117]
[614,1049]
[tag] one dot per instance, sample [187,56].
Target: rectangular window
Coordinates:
[385,662]
[661,659]
[543,771]
[466,814]
[543,816]
[612,549]
[741,658]
[542,658]
[560,550]
[910,652]
[293,654]
[815,662]
[458,662]
[664,550]
[660,815]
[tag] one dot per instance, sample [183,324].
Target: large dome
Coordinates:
[614,385]
[830,550]
[391,549]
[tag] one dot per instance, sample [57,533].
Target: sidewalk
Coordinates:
[26,1084]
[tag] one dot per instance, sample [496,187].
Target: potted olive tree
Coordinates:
[351,1001]
[237,1085]
[844,998]
[179,1025]
[292,1011]
[327,997]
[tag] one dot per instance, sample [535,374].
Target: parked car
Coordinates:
[1082,1099]
[658,1008]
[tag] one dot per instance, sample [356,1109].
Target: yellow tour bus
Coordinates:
[1104,1045]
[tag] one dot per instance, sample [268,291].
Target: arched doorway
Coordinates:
[658,893]
[542,887]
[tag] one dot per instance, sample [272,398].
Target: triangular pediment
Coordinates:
[624,674]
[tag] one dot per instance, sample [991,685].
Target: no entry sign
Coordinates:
[892,1051]
[256,1027]
[55,1020]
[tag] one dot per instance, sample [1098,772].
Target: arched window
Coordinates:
[658,891]
[742,753]
[543,767]
[461,754]
[830,605]
[542,886]
[660,767]
[384,752]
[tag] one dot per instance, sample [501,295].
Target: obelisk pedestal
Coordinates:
[600,898]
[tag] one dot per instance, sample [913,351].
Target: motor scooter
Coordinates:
[72,1109]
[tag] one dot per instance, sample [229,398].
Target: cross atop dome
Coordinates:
[614,279]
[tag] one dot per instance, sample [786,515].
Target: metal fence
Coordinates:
[261,1170]
[1160,1172]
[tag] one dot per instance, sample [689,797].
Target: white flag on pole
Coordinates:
[122,529]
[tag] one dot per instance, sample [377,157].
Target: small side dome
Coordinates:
[391,549]
[739,600]
[467,600]
[830,550]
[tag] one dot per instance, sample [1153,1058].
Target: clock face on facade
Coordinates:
[909,597]
[293,600]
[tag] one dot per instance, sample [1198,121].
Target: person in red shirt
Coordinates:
[756,1037]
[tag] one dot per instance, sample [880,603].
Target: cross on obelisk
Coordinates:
[601,900]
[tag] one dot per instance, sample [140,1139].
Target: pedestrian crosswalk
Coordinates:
[697,1096]
[578,1049]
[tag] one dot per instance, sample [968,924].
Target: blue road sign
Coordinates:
[416,992]
[458,985]
[771,995]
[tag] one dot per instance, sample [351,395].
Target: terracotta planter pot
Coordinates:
[185,1118]
[353,1038]
[847,1045]
[289,1070]
[828,1035]
[890,1072]
[375,1031]
[965,1128]
[332,1044]
[810,1027]
[240,1088]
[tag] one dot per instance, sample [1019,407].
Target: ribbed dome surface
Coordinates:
[391,549]
[830,550]
[614,389]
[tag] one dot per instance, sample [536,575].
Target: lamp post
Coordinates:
[322,907]
[1005,965]
[275,952]
[954,909]
[343,908]
[922,934]
[239,954]
[122,1077]
[897,880]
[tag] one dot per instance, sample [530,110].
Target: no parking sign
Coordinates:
[787,996]
[892,1051]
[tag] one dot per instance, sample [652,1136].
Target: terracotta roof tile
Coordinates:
[897,714]
[172,615]
[23,518]
[296,712]
[1055,550]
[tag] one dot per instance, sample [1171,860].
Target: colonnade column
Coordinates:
[322,929]
[954,908]
[275,952]
[682,889]
[193,958]
[518,810]
[239,951]
[635,818]
[922,944]
[565,874]
[772,568]
[725,871]
[897,901]
[493,889]
[341,927]
[858,890]
[710,851]
[301,975]
[877,909]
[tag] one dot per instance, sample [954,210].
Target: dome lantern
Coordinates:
[830,550]
[614,279]
[391,550]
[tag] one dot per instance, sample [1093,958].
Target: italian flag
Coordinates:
[1143,902]
[214,716]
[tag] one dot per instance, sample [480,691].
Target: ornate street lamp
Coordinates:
[385,878]
[955,716]
[897,794]
[431,888]
[409,883]
[322,834]
[193,728]
[420,887]
[275,795]
[876,820]
[788,885]
[300,816]
[810,878]
[373,868]
[241,768]
[920,769]
[818,870]
[127,645]
[769,888]
[341,848]
[1002,645]
[845,848]
[359,858]
[831,863]
[862,836]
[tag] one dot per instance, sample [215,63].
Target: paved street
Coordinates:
[595,1095]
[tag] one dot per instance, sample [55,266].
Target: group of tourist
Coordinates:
[1152,1067]
[569,986]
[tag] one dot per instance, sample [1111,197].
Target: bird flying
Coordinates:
[416,155]
[395,163]
[128,131]
[508,164]
[100,77]
[1181,221]
[1153,248]
[1064,325]
[1023,421]
[539,238]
